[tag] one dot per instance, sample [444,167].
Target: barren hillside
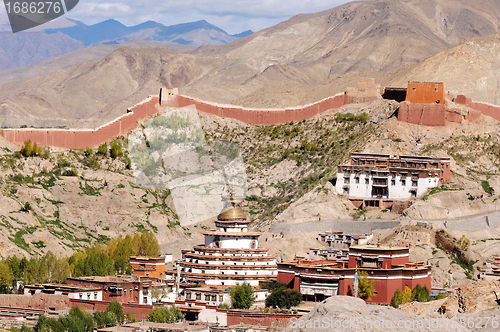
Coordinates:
[295,62]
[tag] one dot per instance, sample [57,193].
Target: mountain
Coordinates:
[243,34]
[374,36]
[21,49]
[471,67]
[295,62]
[111,31]
[93,53]
[92,93]
[65,35]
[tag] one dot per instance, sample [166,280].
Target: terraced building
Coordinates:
[231,253]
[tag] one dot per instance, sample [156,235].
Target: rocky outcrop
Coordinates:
[474,297]
[345,313]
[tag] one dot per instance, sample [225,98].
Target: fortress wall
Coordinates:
[261,116]
[425,93]
[422,114]
[452,115]
[82,138]
[484,108]
[473,115]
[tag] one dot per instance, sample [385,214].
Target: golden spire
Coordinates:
[378,241]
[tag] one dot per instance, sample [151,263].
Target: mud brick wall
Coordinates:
[425,93]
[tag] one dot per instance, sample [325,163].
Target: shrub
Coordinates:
[103,149]
[31,149]
[486,186]
[164,315]
[349,117]
[116,150]
[88,152]
[70,172]
[223,306]
[283,297]
[26,207]
[463,243]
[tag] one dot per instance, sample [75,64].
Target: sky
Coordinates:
[233,16]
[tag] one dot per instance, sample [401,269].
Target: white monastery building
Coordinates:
[231,253]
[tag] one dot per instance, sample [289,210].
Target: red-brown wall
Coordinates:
[422,114]
[83,138]
[277,320]
[484,108]
[425,93]
[140,310]
[261,116]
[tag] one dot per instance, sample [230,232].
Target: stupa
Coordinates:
[231,254]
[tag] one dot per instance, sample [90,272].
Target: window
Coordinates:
[357,179]
[393,182]
[346,191]
[403,182]
[367,180]
[188,296]
[346,180]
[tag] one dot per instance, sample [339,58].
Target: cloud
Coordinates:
[233,16]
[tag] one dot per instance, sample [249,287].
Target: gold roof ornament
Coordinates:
[378,241]
[232,213]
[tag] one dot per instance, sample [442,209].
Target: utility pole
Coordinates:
[177,279]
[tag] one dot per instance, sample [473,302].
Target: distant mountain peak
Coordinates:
[243,34]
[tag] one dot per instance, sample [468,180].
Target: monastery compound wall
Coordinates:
[424,105]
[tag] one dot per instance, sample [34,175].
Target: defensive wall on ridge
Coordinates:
[424,105]
[365,91]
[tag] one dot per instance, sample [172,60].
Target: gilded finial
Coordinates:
[378,241]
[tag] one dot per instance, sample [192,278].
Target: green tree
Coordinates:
[366,287]
[116,308]
[6,278]
[420,294]
[104,319]
[150,244]
[164,314]
[158,293]
[397,299]
[27,149]
[242,296]
[131,317]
